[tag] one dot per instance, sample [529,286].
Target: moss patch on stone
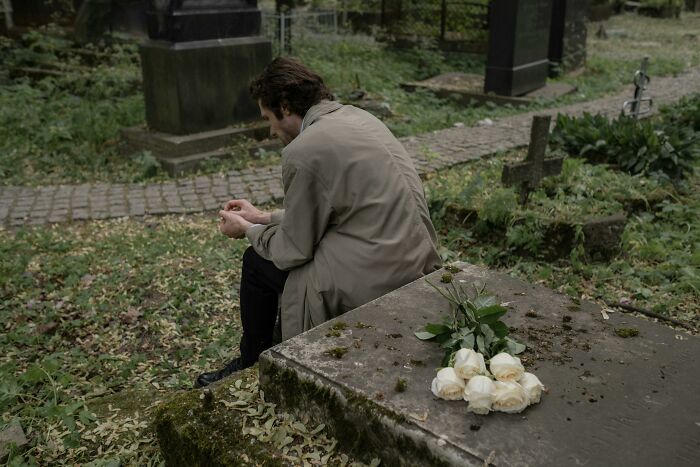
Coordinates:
[337,352]
[231,424]
[401,385]
[357,422]
[627,332]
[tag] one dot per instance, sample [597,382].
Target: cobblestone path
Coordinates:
[431,151]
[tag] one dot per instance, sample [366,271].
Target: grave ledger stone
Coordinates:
[199,62]
[517,61]
[611,401]
[567,37]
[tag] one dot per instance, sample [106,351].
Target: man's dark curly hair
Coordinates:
[289,83]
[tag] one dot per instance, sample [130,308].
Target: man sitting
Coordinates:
[355,223]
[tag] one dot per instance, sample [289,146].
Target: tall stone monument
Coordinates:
[567,38]
[517,61]
[198,63]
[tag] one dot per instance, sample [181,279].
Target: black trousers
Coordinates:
[261,285]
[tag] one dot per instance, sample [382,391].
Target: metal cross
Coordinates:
[528,174]
[633,108]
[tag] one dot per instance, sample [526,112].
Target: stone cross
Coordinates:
[633,108]
[528,174]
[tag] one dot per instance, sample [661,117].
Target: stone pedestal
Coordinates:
[567,37]
[194,20]
[197,86]
[35,13]
[197,68]
[517,60]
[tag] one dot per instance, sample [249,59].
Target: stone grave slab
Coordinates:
[611,400]
[468,89]
[181,153]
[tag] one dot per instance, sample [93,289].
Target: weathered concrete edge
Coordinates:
[190,434]
[362,427]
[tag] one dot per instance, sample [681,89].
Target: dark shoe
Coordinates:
[205,379]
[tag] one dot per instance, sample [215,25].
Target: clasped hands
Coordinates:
[238,216]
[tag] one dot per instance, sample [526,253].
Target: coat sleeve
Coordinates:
[291,242]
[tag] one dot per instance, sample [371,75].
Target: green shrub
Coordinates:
[684,113]
[645,146]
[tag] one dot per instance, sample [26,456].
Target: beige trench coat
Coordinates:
[355,224]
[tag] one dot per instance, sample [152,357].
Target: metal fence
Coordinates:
[283,29]
[446,20]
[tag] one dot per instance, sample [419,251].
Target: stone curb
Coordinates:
[22,205]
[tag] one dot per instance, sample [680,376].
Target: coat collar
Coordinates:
[317,111]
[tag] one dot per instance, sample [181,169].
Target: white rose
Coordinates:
[509,397]
[469,363]
[479,394]
[505,367]
[447,385]
[533,387]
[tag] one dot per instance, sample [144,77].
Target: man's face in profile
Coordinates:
[286,128]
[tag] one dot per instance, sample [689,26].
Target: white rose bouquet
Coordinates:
[506,388]
[474,334]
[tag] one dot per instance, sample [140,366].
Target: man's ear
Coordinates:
[285,109]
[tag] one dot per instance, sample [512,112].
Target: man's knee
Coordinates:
[250,258]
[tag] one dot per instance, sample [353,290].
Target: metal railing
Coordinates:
[286,27]
[6,8]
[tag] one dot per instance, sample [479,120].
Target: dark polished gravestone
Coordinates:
[196,20]
[198,86]
[517,61]
[611,400]
[196,70]
[567,37]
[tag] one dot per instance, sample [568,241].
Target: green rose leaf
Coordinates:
[468,341]
[490,314]
[481,345]
[424,335]
[515,347]
[437,329]
[499,328]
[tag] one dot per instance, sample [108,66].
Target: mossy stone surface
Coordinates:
[192,432]
[595,379]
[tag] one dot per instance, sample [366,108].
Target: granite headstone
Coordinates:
[195,20]
[517,61]
[199,62]
[567,37]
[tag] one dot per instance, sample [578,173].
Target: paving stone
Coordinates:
[120,212]
[137,209]
[38,221]
[80,214]
[55,218]
[610,401]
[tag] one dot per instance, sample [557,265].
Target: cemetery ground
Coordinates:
[61,109]
[104,320]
